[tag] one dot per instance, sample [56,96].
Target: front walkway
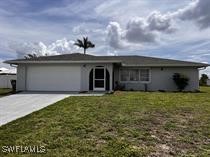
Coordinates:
[18,105]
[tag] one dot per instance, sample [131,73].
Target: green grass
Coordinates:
[5,91]
[118,125]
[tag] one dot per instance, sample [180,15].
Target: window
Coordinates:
[134,75]
[144,75]
[124,75]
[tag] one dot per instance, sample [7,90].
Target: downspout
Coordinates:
[13,65]
[203,68]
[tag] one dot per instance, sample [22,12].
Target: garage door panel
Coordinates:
[53,78]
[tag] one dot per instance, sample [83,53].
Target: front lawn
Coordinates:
[5,91]
[119,124]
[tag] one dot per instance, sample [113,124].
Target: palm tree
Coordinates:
[85,44]
[30,56]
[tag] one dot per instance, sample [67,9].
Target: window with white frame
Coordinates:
[133,75]
[124,75]
[144,75]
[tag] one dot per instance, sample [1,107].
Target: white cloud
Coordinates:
[80,30]
[158,22]
[147,30]
[205,71]
[112,53]
[197,11]
[114,35]
[3,65]
[57,47]
[123,10]
[83,29]
[61,46]
[137,31]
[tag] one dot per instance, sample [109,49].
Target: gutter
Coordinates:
[202,68]
[40,62]
[12,63]
[165,65]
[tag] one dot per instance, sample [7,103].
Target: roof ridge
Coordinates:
[76,53]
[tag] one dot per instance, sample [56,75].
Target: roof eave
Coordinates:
[16,62]
[166,65]
[40,62]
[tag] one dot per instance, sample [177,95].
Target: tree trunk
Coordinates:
[84,51]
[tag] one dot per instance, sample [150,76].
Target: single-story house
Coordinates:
[3,69]
[83,72]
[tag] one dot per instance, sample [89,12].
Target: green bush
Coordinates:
[181,81]
[119,86]
[203,80]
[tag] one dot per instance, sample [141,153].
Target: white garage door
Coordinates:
[53,78]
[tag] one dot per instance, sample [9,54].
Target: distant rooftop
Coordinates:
[3,69]
[8,71]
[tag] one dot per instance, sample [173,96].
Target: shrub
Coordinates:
[203,80]
[181,81]
[119,86]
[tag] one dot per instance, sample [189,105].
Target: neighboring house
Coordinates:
[3,69]
[79,72]
[6,75]
[208,82]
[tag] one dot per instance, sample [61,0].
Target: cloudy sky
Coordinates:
[177,29]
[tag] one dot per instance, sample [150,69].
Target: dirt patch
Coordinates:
[162,150]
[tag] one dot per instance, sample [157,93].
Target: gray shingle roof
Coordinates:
[124,60]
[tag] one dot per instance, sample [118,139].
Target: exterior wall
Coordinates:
[86,68]
[84,71]
[162,79]
[5,80]
[116,70]
[208,82]
[21,77]
[52,77]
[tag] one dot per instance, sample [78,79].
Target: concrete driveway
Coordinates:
[18,105]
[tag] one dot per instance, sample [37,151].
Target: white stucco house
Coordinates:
[6,75]
[80,72]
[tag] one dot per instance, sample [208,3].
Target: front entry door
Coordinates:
[99,79]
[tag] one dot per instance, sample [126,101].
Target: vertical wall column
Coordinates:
[21,77]
[111,77]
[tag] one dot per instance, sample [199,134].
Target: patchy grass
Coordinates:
[120,125]
[5,91]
